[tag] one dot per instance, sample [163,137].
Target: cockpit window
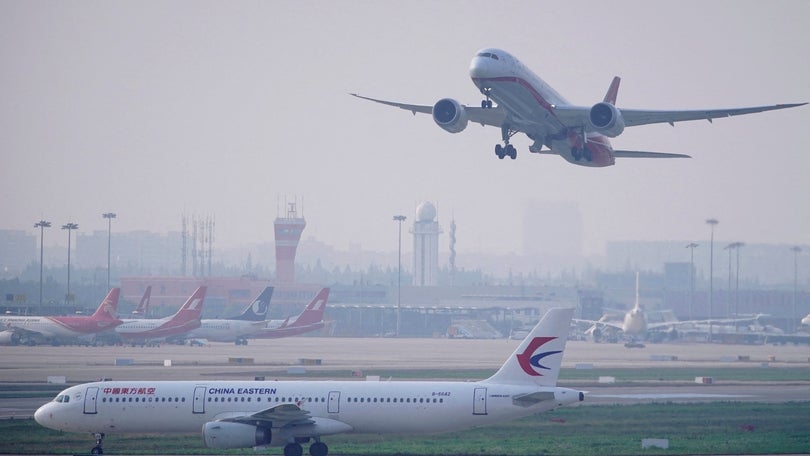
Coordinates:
[488,54]
[62,398]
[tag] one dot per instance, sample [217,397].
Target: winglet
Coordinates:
[613,91]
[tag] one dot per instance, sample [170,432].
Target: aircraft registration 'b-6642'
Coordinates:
[240,414]
[526,104]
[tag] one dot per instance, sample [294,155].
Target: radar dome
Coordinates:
[426,212]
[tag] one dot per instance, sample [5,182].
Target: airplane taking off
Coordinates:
[237,329]
[526,104]
[146,330]
[21,329]
[244,414]
[310,319]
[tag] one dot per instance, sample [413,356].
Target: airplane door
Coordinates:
[333,406]
[199,399]
[480,401]
[90,397]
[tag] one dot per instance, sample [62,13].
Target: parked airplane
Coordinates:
[310,319]
[143,306]
[636,325]
[241,414]
[237,329]
[150,330]
[526,104]
[23,329]
[806,320]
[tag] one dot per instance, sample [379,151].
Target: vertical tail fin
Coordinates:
[636,305]
[613,91]
[313,312]
[538,358]
[257,310]
[192,309]
[143,306]
[108,307]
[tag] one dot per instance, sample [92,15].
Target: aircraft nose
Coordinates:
[42,416]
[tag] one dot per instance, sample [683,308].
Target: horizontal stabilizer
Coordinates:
[643,154]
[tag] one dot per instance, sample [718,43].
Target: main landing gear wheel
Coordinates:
[486,104]
[318,449]
[97,449]
[505,151]
[293,449]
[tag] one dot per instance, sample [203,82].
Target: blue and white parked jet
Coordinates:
[527,104]
[240,414]
[237,329]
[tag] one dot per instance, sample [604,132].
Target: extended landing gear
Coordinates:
[241,341]
[507,150]
[97,449]
[487,103]
[504,151]
[316,449]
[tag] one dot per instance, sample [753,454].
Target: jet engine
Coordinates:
[9,338]
[226,434]
[450,115]
[606,119]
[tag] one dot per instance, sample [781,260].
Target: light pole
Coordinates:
[730,247]
[109,216]
[400,219]
[691,246]
[42,224]
[796,250]
[712,223]
[737,284]
[69,227]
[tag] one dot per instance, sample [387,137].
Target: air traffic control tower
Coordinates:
[426,232]
[288,232]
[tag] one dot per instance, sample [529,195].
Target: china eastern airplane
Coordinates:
[237,329]
[527,104]
[310,319]
[61,329]
[244,414]
[148,330]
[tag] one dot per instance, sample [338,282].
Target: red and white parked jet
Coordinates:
[61,329]
[150,330]
[311,319]
[527,104]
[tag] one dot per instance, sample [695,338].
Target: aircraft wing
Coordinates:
[491,116]
[644,154]
[634,117]
[577,117]
[279,416]
[596,323]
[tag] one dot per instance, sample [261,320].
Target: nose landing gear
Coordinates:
[99,440]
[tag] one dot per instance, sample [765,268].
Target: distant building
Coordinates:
[16,251]
[426,232]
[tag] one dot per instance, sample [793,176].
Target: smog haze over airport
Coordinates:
[153,110]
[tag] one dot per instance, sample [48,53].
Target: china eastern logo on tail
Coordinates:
[530,361]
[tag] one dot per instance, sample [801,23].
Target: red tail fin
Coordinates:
[613,91]
[192,309]
[108,307]
[313,312]
[143,306]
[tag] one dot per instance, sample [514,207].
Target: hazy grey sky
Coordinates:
[155,109]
